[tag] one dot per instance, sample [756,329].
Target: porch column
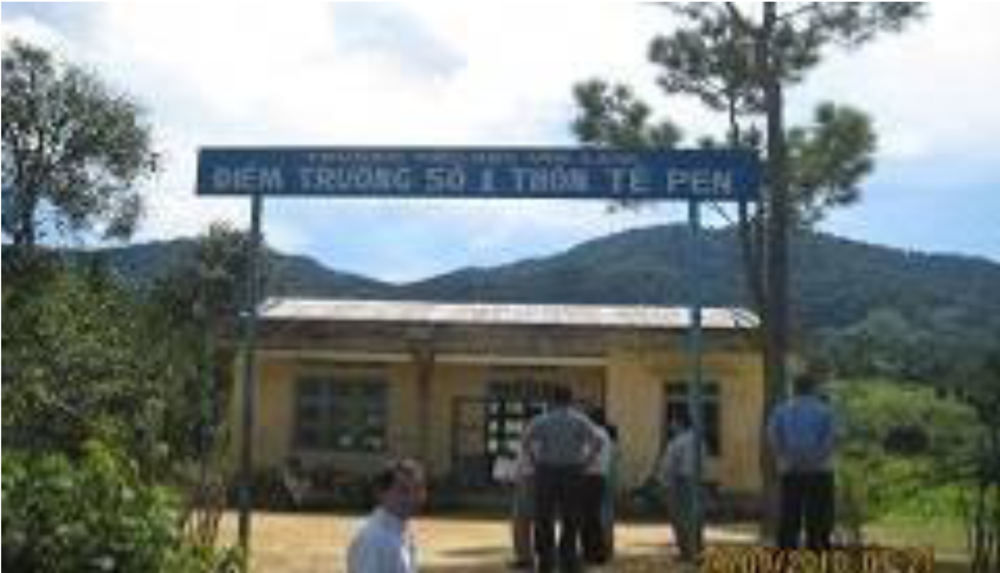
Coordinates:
[424,361]
[420,341]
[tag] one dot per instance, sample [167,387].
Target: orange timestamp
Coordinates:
[738,559]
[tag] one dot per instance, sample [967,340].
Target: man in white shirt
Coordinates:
[384,543]
[514,469]
[676,470]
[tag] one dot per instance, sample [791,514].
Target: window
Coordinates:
[677,401]
[509,408]
[340,415]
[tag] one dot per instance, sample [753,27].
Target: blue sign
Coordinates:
[468,173]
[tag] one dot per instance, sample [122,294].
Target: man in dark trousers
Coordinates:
[676,470]
[802,435]
[561,443]
[597,533]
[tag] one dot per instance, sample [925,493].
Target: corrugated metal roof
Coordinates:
[643,317]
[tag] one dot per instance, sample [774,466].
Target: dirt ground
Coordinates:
[307,543]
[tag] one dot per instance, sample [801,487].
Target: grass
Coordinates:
[945,535]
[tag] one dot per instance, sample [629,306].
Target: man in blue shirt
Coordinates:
[801,433]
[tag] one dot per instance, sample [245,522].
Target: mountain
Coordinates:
[836,282]
[290,275]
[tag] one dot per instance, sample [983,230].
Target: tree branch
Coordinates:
[793,14]
[740,19]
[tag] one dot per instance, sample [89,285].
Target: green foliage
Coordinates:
[93,513]
[874,411]
[710,59]
[75,366]
[828,160]
[73,149]
[88,359]
[982,491]
[187,307]
[614,117]
[209,285]
[956,476]
[717,55]
[877,478]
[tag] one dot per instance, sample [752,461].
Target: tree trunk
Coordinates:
[775,255]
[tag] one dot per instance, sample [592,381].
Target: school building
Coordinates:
[348,383]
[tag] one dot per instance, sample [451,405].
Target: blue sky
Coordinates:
[497,73]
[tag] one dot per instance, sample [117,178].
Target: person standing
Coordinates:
[384,542]
[514,469]
[596,496]
[802,434]
[561,443]
[677,472]
[611,487]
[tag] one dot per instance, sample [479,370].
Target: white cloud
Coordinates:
[172,210]
[465,74]
[35,32]
[221,74]
[930,89]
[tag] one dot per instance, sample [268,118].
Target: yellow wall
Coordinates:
[632,386]
[635,402]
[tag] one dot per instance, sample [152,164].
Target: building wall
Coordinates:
[632,387]
[637,381]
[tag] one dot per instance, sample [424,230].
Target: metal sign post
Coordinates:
[694,355]
[721,175]
[249,388]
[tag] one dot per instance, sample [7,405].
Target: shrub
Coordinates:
[93,514]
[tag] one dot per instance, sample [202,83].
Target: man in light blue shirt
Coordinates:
[802,435]
[561,443]
[676,470]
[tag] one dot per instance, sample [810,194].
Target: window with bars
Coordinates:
[343,415]
[677,401]
[510,406]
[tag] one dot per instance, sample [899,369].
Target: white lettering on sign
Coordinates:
[550,180]
[627,181]
[247,179]
[358,179]
[700,183]
[444,180]
[486,181]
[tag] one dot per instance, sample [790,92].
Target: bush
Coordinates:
[93,514]
[900,446]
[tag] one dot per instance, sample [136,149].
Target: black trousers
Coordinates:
[593,534]
[558,497]
[807,502]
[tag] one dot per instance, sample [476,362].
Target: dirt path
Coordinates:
[308,543]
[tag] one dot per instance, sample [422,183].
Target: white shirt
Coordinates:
[382,545]
[679,459]
[512,469]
